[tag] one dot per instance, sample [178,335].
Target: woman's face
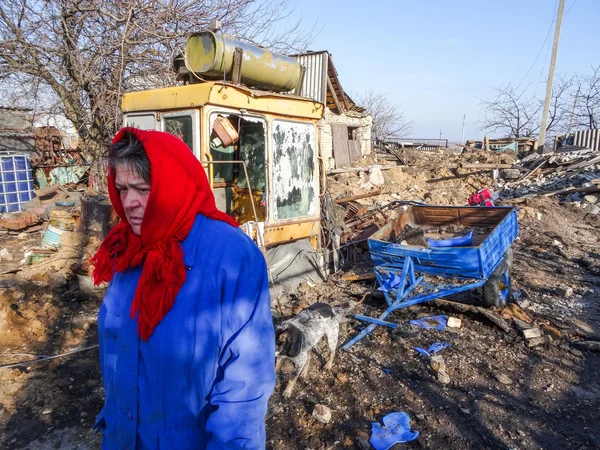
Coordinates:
[134,192]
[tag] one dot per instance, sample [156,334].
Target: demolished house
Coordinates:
[345,129]
[578,140]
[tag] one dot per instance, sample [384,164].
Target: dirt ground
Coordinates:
[548,396]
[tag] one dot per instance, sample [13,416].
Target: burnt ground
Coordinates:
[551,402]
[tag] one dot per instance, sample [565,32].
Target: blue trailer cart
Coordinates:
[413,274]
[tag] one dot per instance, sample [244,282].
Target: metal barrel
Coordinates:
[211,56]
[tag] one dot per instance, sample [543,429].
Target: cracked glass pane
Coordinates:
[294,178]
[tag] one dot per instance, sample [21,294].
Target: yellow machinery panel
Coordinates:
[221,94]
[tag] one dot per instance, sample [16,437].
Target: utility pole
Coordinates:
[542,140]
[462,138]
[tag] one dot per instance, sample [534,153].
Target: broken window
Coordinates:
[352,133]
[252,152]
[219,151]
[181,126]
[249,139]
[295,182]
[237,137]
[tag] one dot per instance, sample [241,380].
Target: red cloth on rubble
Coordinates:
[179,191]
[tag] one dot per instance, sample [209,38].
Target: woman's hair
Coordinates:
[130,151]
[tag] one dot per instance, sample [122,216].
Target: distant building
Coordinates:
[16,132]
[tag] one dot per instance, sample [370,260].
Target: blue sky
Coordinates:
[435,59]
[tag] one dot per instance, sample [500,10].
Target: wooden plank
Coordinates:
[368,276]
[334,95]
[357,197]
[492,167]
[571,190]
[354,150]
[363,169]
[435,216]
[340,144]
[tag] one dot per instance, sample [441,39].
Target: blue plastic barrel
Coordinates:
[16,182]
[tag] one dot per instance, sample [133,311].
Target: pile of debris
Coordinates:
[574,176]
[65,217]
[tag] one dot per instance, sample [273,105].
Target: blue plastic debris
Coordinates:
[395,430]
[392,282]
[433,348]
[460,241]
[436,322]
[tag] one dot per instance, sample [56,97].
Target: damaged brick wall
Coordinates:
[363,134]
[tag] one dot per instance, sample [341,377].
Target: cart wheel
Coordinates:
[496,290]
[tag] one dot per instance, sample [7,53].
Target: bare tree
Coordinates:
[509,113]
[388,119]
[79,56]
[516,115]
[587,103]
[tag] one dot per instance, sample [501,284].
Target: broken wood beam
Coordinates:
[368,276]
[334,96]
[593,346]
[455,306]
[463,308]
[570,190]
[495,319]
[42,192]
[492,166]
[362,169]
[357,197]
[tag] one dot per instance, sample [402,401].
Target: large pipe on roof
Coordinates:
[211,56]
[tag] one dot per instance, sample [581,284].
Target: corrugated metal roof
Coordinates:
[318,69]
[314,84]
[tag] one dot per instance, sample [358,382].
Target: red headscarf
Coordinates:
[179,191]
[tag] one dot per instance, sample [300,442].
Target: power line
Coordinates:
[547,53]
[542,47]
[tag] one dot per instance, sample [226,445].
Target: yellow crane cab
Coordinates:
[259,149]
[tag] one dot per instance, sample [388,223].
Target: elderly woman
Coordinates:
[185,329]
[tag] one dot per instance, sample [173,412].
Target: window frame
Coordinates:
[196,134]
[316,181]
[209,111]
[128,116]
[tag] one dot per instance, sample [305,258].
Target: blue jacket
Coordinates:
[203,379]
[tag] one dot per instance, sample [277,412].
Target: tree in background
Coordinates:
[586,111]
[78,57]
[388,120]
[575,104]
[516,115]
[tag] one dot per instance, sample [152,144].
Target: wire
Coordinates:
[46,358]
[547,53]
[541,48]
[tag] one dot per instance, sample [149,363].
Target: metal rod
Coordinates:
[406,303]
[243,163]
[383,323]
